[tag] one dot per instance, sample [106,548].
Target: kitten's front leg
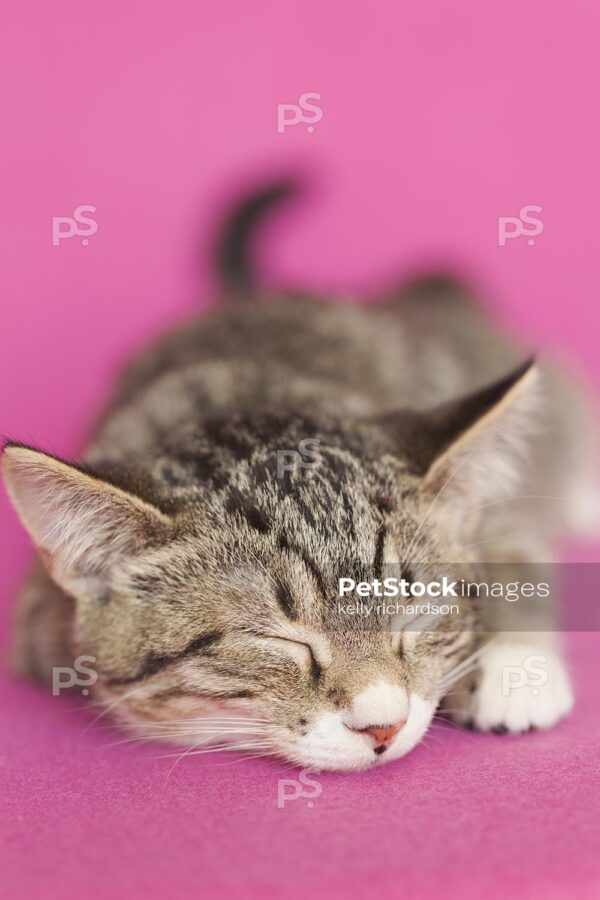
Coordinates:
[521,683]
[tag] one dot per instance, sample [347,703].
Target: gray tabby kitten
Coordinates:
[201,574]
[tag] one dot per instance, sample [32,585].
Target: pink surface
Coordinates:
[437,119]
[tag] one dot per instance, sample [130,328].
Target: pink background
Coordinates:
[437,119]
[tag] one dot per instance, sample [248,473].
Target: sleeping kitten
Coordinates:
[252,458]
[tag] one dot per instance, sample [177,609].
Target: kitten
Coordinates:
[252,458]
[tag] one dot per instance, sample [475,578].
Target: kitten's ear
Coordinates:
[82,525]
[482,440]
[475,447]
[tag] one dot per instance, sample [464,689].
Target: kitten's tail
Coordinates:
[234,256]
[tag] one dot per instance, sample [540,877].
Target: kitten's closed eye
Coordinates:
[303,652]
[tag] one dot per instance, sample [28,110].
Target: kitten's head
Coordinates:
[205,583]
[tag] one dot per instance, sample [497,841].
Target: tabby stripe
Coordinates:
[155,662]
[286,601]
[379,548]
[284,544]
[314,571]
[213,695]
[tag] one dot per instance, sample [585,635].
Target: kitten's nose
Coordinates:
[381,735]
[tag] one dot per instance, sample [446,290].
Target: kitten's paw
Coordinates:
[516,688]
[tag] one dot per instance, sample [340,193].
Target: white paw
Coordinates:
[517,687]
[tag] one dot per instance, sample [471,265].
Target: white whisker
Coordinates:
[468,512]
[460,670]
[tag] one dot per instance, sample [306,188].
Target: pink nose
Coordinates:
[381,735]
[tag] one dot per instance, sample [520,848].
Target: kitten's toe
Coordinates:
[519,688]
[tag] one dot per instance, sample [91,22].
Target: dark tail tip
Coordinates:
[234,249]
